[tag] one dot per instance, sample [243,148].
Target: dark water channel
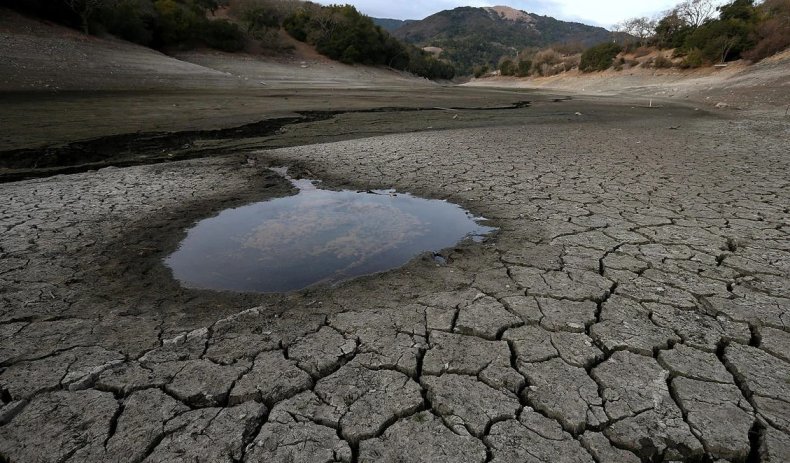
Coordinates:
[316,237]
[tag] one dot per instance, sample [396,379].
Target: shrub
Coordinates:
[263,19]
[547,62]
[570,62]
[729,36]
[775,37]
[480,71]
[437,69]
[524,67]
[547,70]
[662,62]
[507,68]
[177,22]
[599,57]
[694,59]
[548,57]
[773,32]
[720,40]
[259,19]
[672,30]
[132,20]
[222,35]
[185,24]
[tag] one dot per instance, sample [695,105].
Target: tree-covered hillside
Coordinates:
[342,33]
[391,24]
[481,36]
[339,32]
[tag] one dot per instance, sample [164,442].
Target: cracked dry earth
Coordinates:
[634,306]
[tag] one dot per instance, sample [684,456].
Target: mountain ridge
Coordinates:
[475,36]
[391,25]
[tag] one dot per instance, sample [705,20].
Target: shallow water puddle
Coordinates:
[316,236]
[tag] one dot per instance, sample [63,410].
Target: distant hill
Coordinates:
[391,24]
[473,36]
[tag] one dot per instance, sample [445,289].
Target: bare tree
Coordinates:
[85,9]
[641,28]
[619,33]
[696,12]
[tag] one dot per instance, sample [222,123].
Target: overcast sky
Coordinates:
[601,13]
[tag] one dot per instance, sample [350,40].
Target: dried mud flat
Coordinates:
[634,306]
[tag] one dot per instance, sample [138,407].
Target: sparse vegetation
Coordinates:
[599,57]
[693,59]
[524,67]
[772,32]
[662,62]
[697,31]
[544,62]
[702,33]
[741,29]
[507,68]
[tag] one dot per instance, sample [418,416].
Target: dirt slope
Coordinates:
[298,71]
[38,56]
[765,85]
[44,56]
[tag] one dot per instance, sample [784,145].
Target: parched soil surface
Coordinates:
[634,305]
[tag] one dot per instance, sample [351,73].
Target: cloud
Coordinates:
[606,13]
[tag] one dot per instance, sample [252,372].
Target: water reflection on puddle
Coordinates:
[316,236]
